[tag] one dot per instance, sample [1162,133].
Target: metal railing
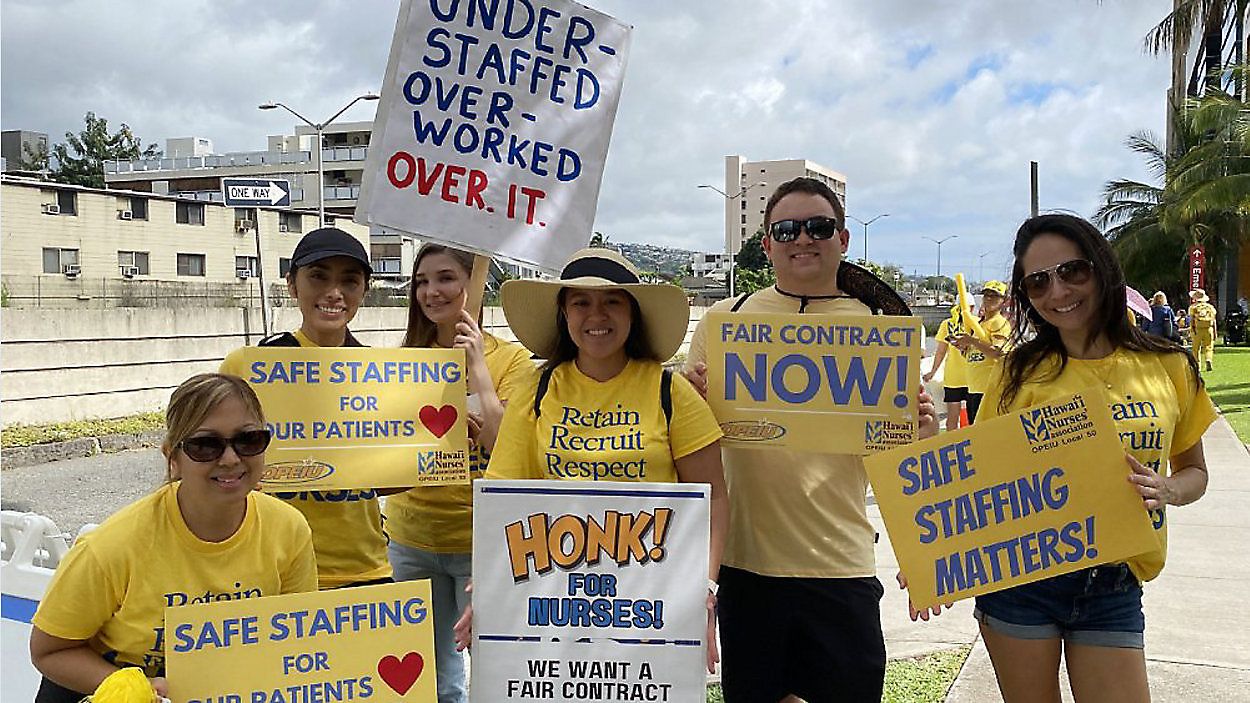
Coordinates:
[234,159]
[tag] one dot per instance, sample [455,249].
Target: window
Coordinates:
[244,218]
[743,202]
[191,264]
[189,214]
[139,209]
[744,218]
[387,258]
[284,266]
[55,260]
[136,259]
[247,263]
[67,200]
[290,222]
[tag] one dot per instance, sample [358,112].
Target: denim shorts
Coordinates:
[1099,606]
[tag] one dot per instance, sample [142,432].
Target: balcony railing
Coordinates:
[245,158]
[344,153]
[342,192]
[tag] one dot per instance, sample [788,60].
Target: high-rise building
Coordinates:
[749,183]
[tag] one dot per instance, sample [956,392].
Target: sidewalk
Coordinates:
[1197,637]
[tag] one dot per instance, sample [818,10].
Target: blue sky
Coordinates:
[932,110]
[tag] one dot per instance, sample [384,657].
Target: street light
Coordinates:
[939,269]
[981,265]
[729,198]
[319,127]
[865,224]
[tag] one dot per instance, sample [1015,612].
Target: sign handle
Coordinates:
[477,285]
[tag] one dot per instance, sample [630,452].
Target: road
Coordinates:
[76,492]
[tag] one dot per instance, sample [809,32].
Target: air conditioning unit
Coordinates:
[243,273]
[71,270]
[284,228]
[125,215]
[245,225]
[130,271]
[51,209]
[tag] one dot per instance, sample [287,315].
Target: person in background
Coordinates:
[329,275]
[983,353]
[431,527]
[955,378]
[1202,326]
[204,534]
[1182,327]
[1162,322]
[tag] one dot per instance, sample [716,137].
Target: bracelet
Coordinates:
[712,587]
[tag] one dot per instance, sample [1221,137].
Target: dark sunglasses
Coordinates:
[817,228]
[211,447]
[1074,272]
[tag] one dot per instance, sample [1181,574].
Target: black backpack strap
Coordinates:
[666,396]
[740,301]
[544,379]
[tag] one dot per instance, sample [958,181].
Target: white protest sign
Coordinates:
[494,125]
[587,591]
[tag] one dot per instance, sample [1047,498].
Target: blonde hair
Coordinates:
[196,399]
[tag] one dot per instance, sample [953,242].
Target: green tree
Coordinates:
[751,256]
[600,240]
[35,159]
[890,273]
[80,159]
[751,280]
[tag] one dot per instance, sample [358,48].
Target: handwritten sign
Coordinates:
[585,592]
[1010,500]
[836,384]
[370,642]
[494,125]
[359,418]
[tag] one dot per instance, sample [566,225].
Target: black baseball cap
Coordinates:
[326,242]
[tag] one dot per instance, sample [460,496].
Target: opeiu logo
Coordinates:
[294,473]
[752,431]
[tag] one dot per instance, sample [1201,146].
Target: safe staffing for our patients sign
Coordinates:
[837,384]
[589,591]
[493,129]
[351,417]
[372,643]
[1010,500]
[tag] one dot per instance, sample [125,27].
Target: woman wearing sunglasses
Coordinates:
[431,527]
[1071,291]
[203,536]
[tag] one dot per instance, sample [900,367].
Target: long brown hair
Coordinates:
[1036,340]
[422,332]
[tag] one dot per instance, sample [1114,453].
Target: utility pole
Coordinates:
[1033,209]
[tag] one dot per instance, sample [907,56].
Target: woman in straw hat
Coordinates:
[604,408]
[1202,326]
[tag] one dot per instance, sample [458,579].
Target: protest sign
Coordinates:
[494,125]
[369,642]
[589,591]
[1010,500]
[351,417]
[838,384]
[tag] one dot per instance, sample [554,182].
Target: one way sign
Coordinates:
[256,192]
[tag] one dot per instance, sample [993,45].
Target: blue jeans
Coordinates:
[448,575]
[1099,606]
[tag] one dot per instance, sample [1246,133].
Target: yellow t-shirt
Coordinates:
[1158,406]
[440,518]
[956,373]
[792,513]
[112,588]
[346,524]
[611,430]
[980,367]
[1202,315]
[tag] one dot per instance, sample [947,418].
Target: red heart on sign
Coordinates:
[438,420]
[401,674]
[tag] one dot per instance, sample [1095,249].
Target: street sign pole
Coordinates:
[257,192]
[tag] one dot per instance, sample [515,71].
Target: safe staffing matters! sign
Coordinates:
[494,125]
[815,383]
[351,417]
[373,643]
[589,591]
[1010,500]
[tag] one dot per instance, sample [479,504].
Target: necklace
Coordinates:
[1102,369]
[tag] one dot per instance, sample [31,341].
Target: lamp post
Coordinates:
[981,266]
[728,199]
[319,127]
[939,260]
[865,224]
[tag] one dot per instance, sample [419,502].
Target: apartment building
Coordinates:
[749,183]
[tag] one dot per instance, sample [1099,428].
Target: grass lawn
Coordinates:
[920,680]
[28,435]
[1229,386]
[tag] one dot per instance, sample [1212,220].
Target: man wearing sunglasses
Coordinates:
[799,601]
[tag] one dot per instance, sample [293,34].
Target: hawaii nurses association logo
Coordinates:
[1050,424]
[441,462]
[887,434]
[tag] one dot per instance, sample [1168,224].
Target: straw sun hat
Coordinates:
[530,305]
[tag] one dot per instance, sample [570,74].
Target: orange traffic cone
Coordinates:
[963,416]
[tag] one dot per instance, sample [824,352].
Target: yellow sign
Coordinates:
[370,642]
[361,418]
[837,384]
[1010,500]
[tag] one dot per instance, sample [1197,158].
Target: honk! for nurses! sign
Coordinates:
[1010,500]
[589,591]
[360,418]
[371,643]
[816,383]
[494,124]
